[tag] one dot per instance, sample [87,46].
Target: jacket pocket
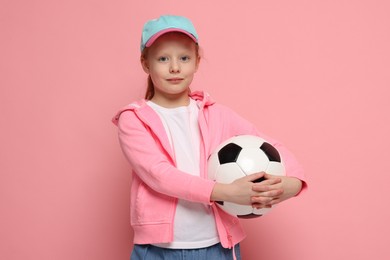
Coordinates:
[151,207]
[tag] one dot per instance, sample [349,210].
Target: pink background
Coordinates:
[313,74]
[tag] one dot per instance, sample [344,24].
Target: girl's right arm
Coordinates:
[153,166]
[156,169]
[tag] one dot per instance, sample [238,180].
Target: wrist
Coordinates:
[219,192]
[294,186]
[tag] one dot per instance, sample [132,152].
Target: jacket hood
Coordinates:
[203,100]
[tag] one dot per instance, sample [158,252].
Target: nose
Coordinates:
[174,67]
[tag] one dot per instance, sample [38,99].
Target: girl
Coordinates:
[167,138]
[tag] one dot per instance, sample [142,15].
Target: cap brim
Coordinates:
[155,37]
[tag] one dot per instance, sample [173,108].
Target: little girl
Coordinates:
[167,138]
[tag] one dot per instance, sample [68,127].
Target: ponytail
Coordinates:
[150,89]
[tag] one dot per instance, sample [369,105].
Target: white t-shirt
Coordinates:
[194,223]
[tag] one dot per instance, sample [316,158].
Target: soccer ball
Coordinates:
[240,156]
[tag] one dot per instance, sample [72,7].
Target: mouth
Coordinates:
[175,80]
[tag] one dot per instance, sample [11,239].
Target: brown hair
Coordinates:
[150,86]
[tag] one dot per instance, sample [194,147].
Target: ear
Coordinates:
[145,65]
[197,63]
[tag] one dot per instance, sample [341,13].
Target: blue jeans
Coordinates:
[215,252]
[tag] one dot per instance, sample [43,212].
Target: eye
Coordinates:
[185,58]
[163,59]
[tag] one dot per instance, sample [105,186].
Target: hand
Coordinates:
[275,189]
[239,191]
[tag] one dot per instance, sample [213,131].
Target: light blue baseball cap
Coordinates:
[164,24]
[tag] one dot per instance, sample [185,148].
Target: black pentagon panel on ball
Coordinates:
[229,153]
[271,152]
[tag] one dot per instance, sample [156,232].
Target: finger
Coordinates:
[261,188]
[261,200]
[273,194]
[274,202]
[268,182]
[268,176]
[260,206]
[269,204]
[266,187]
[256,177]
[273,180]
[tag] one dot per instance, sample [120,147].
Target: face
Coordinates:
[171,62]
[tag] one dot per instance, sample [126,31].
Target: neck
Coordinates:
[171,101]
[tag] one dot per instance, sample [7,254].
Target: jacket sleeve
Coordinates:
[154,167]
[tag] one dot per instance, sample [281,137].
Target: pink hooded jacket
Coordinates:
[157,183]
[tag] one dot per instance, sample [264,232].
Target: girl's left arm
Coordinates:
[237,125]
[290,185]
